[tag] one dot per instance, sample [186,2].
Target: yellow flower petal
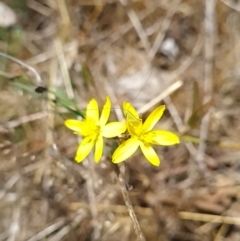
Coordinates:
[150,154]
[92,111]
[153,118]
[105,112]
[98,149]
[128,109]
[113,129]
[161,137]
[134,128]
[125,150]
[84,149]
[78,126]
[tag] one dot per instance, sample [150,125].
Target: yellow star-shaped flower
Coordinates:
[93,129]
[141,134]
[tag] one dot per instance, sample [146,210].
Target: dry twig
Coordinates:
[128,203]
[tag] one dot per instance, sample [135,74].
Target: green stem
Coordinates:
[196,140]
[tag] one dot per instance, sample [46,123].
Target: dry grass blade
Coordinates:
[209,218]
[92,198]
[137,25]
[25,119]
[171,89]
[209,53]
[66,229]
[158,41]
[63,68]
[231,4]
[50,229]
[26,66]
[15,225]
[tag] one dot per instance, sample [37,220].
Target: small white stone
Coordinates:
[7,16]
[169,47]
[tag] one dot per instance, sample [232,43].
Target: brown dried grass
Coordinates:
[100,49]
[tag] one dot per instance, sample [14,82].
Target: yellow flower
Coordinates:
[141,134]
[93,129]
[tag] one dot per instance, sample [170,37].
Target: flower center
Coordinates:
[92,128]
